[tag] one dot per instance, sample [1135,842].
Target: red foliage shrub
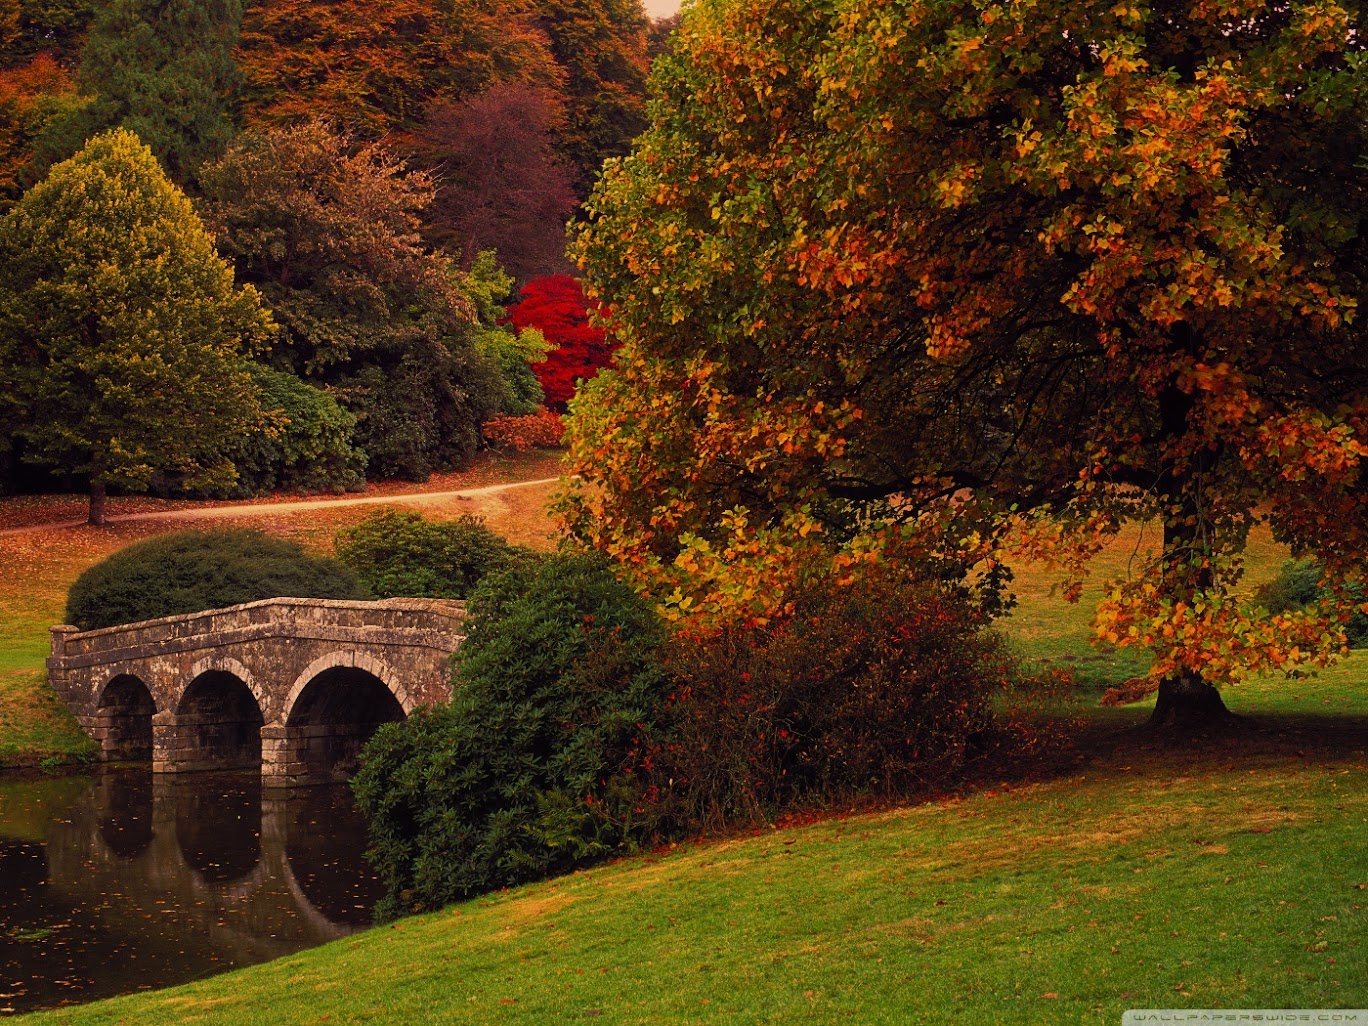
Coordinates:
[875,689]
[540,430]
[556,306]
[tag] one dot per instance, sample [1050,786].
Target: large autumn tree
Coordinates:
[124,342]
[930,279]
[374,66]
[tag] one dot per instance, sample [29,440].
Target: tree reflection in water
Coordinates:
[138,881]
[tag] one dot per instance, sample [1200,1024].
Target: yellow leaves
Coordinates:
[956,187]
[1214,634]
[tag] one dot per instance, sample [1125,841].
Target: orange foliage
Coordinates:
[993,277]
[26,96]
[374,65]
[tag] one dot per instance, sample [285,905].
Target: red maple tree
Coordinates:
[556,306]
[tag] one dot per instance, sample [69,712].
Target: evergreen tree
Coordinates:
[123,341]
[163,69]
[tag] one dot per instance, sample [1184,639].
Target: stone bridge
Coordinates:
[295,686]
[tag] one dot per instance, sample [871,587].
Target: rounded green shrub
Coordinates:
[194,570]
[523,773]
[310,447]
[398,553]
[1299,586]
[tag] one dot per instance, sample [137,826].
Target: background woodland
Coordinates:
[381,180]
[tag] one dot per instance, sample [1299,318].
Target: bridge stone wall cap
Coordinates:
[59,638]
[451,608]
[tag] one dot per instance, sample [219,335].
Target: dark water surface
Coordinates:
[122,881]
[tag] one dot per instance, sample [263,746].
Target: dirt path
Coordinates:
[272,508]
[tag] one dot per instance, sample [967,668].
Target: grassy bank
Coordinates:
[1217,875]
[40,565]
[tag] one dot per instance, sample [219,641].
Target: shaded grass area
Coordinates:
[1222,874]
[40,566]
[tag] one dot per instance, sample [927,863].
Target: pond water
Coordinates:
[123,881]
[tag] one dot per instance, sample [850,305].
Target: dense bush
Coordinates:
[310,448]
[1299,586]
[192,570]
[540,430]
[577,729]
[873,689]
[403,553]
[421,414]
[523,773]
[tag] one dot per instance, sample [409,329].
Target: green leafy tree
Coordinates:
[305,447]
[162,69]
[511,350]
[123,340]
[55,27]
[940,282]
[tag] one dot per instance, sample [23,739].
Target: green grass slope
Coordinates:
[1129,874]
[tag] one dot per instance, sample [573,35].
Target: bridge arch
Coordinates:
[334,707]
[229,665]
[124,708]
[218,722]
[348,659]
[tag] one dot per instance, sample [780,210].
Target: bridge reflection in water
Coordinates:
[147,881]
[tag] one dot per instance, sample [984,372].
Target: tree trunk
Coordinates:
[1186,702]
[97,502]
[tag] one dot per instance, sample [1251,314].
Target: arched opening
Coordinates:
[335,715]
[219,724]
[125,719]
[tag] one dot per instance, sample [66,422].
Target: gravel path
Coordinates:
[269,508]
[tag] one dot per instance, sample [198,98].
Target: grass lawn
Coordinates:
[1214,875]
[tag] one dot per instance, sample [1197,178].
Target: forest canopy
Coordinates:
[384,176]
